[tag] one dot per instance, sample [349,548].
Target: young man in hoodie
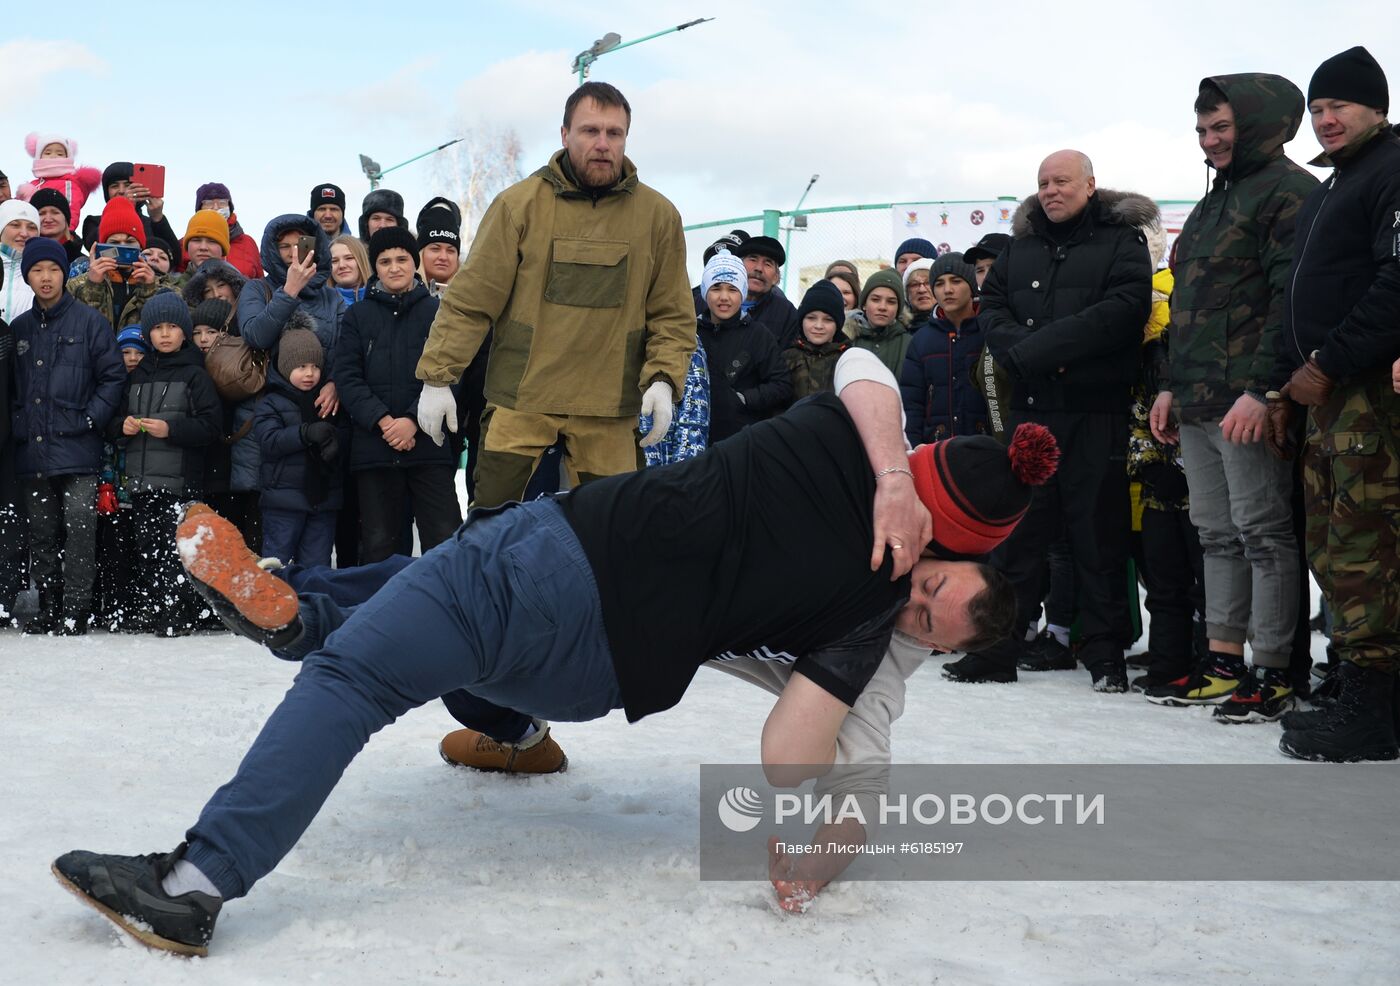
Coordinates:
[1237,244]
[68,384]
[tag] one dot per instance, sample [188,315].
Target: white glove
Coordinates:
[436,403]
[656,404]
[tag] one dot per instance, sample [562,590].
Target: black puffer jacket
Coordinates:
[744,359]
[1080,305]
[1343,294]
[381,340]
[175,388]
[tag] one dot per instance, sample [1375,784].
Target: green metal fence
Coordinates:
[865,234]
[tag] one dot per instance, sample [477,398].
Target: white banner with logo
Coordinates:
[949,225]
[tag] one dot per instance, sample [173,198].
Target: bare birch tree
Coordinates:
[476,170]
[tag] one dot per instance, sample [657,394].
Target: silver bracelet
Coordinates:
[886,472]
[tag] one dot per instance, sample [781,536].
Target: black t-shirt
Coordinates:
[759,547]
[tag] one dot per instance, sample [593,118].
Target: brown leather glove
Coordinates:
[1309,386]
[1278,431]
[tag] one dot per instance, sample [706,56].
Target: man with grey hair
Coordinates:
[1063,308]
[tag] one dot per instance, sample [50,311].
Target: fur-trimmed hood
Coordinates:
[212,269]
[1109,205]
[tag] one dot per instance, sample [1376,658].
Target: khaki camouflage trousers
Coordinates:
[1351,482]
[512,443]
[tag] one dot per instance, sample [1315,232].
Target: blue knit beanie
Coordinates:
[39,248]
[166,306]
[919,245]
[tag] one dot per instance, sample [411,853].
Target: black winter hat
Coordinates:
[380,200]
[213,312]
[955,264]
[45,197]
[388,238]
[763,246]
[166,306]
[988,247]
[440,221]
[170,251]
[733,241]
[327,194]
[1353,76]
[115,172]
[823,296]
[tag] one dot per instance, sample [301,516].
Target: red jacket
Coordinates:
[243,252]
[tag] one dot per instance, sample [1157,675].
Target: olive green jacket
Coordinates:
[587,293]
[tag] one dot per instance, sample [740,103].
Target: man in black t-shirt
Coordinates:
[552,608]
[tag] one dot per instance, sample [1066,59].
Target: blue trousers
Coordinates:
[298,535]
[328,596]
[507,609]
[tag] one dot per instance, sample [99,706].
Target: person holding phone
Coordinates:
[115,288]
[117,180]
[297,259]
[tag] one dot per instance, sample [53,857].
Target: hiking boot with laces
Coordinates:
[1360,725]
[127,891]
[1258,700]
[1212,683]
[537,754]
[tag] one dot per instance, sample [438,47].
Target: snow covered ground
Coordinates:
[419,873]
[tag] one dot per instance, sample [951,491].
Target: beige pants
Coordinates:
[512,443]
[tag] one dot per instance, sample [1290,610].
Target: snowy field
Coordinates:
[419,873]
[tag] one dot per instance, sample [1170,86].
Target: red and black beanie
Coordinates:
[978,489]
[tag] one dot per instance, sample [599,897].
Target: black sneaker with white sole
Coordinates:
[126,890]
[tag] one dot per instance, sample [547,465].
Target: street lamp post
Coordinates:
[375,173]
[612,41]
[798,222]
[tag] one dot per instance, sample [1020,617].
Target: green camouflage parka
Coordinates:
[1234,253]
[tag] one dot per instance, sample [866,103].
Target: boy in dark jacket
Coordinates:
[301,485]
[171,417]
[748,378]
[116,537]
[382,338]
[68,384]
[941,398]
[811,359]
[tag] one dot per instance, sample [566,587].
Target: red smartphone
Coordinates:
[152,176]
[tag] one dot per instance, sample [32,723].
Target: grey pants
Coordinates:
[63,511]
[1240,504]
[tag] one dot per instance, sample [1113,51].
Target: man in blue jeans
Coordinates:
[550,608]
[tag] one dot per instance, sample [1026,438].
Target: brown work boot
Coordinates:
[243,592]
[537,755]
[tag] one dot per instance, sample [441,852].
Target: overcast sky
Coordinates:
[906,102]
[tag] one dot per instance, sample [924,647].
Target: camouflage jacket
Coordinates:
[1234,253]
[103,298]
[813,368]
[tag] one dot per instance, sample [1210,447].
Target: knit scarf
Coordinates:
[317,472]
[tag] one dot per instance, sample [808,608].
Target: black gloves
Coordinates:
[320,435]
